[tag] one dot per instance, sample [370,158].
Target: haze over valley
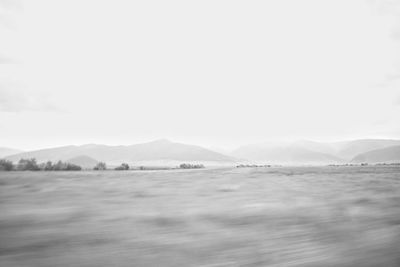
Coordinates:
[210,133]
[165,152]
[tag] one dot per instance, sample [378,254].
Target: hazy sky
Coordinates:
[214,73]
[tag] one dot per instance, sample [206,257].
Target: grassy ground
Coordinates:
[314,216]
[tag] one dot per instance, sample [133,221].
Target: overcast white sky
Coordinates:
[213,73]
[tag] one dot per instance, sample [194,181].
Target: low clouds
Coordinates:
[11,4]
[397,101]
[10,17]
[392,8]
[9,9]
[15,98]
[249,72]
[393,77]
[390,81]
[7,60]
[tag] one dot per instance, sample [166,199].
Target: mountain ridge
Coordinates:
[163,151]
[157,150]
[7,151]
[384,155]
[311,152]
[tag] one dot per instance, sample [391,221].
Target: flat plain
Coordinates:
[283,216]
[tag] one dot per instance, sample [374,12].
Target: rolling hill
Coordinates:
[156,151]
[284,154]
[164,152]
[348,150]
[6,151]
[384,155]
[83,161]
[311,152]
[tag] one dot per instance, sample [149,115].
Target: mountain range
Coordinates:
[159,152]
[6,151]
[388,155]
[311,152]
[165,152]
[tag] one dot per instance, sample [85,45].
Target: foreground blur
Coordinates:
[314,216]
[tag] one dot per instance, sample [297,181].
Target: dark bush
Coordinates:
[6,165]
[123,167]
[48,166]
[73,167]
[191,166]
[101,166]
[59,166]
[252,166]
[27,165]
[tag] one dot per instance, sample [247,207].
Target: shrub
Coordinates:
[64,166]
[48,166]
[59,166]
[27,165]
[191,166]
[73,167]
[123,167]
[252,166]
[6,165]
[101,166]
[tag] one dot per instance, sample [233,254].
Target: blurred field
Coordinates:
[304,216]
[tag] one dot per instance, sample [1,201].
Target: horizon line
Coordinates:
[210,147]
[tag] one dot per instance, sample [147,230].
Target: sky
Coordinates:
[217,73]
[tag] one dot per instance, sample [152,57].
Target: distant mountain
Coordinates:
[347,149]
[160,150]
[83,161]
[350,149]
[164,152]
[284,154]
[311,152]
[325,148]
[5,151]
[384,155]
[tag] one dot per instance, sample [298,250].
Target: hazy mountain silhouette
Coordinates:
[159,150]
[311,152]
[6,151]
[350,149]
[83,161]
[325,148]
[162,151]
[284,154]
[388,155]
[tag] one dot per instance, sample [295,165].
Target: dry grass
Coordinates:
[309,216]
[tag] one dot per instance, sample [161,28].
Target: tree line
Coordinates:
[32,165]
[191,166]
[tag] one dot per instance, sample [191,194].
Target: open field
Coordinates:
[300,216]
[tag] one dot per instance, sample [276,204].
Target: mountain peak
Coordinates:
[6,151]
[161,141]
[158,150]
